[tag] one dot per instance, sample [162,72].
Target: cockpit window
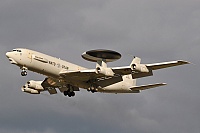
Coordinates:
[16,50]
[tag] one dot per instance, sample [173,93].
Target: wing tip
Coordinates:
[163,83]
[160,84]
[183,62]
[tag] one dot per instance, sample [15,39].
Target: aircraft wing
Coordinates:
[88,74]
[162,65]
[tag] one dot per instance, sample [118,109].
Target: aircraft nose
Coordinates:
[8,54]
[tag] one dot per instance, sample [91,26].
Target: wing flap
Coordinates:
[144,87]
[52,91]
[50,84]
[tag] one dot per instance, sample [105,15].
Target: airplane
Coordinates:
[68,78]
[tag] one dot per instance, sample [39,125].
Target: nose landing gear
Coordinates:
[24,72]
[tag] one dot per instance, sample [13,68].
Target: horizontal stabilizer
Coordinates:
[144,87]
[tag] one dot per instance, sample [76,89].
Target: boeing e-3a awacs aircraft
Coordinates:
[68,77]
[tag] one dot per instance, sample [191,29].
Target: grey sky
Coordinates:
[155,30]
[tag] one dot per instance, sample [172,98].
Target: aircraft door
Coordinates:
[30,56]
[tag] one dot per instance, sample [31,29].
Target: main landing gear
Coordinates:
[92,89]
[24,72]
[69,93]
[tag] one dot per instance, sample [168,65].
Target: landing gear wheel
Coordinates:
[65,93]
[93,89]
[23,73]
[88,89]
[69,94]
[72,94]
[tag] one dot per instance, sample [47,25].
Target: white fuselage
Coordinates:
[41,63]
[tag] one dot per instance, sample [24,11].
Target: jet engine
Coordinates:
[33,87]
[140,68]
[29,90]
[105,71]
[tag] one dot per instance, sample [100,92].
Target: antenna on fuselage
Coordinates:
[101,56]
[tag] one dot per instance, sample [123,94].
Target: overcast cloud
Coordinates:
[155,30]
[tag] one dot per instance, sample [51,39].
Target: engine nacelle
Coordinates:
[105,71]
[140,68]
[29,90]
[36,85]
